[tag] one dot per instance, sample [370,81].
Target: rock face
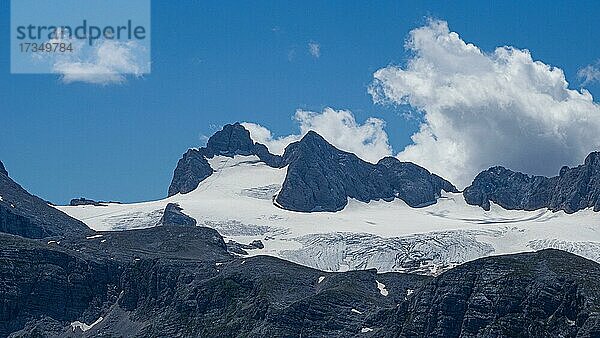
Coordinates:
[549,293]
[321,177]
[573,190]
[232,140]
[29,216]
[192,169]
[83,201]
[173,215]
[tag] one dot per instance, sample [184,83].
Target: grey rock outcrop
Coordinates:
[83,201]
[573,190]
[173,215]
[548,293]
[192,169]
[29,216]
[321,177]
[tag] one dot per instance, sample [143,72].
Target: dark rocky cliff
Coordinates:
[321,177]
[29,216]
[180,281]
[573,190]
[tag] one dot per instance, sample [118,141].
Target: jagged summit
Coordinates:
[233,139]
[572,190]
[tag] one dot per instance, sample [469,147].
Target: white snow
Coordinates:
[356,311]
[83,326]
[94,236]
[236,201]
[320,279]
[409,292]
[382,289]
[1,199]
[366,329]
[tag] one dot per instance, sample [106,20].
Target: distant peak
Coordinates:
[232,139]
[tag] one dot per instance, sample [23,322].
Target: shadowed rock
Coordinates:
[173,215]
[321,177]
[573,190]
[29,216]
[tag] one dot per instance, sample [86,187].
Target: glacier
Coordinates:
[237,200]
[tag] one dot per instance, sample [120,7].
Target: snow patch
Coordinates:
[320,279]
[382,289]
[94,236]
[366,329]
[83,326]
[356,311]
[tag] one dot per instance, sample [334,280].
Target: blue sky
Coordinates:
[215,62]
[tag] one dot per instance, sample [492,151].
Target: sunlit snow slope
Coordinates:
[237,200]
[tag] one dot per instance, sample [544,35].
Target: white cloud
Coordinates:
[314,49]
[589,74]
[107,62]
[480,109]
[368,140]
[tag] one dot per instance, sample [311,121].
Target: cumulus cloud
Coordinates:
[368,140]
[589,74]
[314,49]
[484,109]
[106,62]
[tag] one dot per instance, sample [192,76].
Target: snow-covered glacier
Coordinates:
[237,200]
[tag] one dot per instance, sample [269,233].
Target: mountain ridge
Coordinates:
[574,189]
[315,183]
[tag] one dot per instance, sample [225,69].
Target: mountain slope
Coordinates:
[29,216]
[573,190]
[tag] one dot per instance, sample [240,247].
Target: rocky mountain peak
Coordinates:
[233,139]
